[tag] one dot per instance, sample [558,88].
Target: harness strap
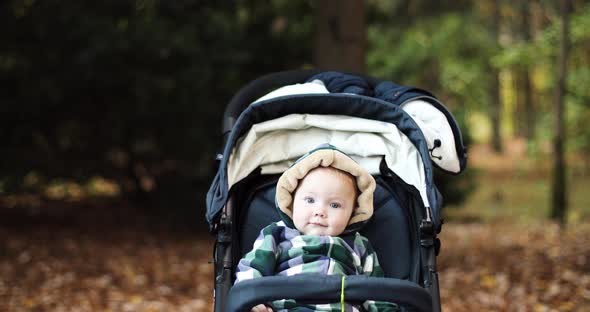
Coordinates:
[342,293]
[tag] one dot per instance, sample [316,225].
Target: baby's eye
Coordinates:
[334,205]
[309,200]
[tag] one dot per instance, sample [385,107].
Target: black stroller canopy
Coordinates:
[320,104]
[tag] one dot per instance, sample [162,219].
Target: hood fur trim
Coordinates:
[327,157]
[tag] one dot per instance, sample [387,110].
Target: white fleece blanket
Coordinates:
[273,145]
[432,122]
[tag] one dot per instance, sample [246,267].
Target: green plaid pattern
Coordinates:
[280,250]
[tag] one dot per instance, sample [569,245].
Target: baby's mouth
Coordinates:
[317,224]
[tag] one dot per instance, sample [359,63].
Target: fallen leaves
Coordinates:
[53,269]
[512,267]
[109,267]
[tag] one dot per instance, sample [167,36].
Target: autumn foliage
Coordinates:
[115,261]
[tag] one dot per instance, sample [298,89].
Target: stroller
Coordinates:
[397,133]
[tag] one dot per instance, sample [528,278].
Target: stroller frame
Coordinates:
[423,296]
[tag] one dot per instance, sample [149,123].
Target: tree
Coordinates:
[133,92]
[525,77]
[524,84]
[559,187]
[496,99]
[341,35]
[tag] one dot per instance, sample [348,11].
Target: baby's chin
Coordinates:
[318,231]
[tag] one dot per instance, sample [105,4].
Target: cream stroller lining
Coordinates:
[275,144]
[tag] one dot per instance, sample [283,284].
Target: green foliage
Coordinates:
[540,56]
[545,44]
[133,90]
[445,54]
[451,54]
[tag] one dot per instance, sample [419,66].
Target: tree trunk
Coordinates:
[495,97]
[526,89]
[523,109]
[559,189]
[341,35]
[529,109]
[518,113]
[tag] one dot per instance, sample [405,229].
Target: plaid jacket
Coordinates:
[280,250]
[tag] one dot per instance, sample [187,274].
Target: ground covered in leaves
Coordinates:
[102,261]
[117,263]
[515,267]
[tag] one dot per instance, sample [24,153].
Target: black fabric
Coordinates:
[337,82]
[327,288]
[259,87]
[389,231]
[395,94]
[258,212]
[332,104]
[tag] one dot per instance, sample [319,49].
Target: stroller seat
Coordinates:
[389,231]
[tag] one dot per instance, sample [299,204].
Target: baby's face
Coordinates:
[323,202]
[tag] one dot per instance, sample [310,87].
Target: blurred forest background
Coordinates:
[111,118]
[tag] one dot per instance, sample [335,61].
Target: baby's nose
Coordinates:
[320,212]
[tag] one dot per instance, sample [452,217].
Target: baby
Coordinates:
[324,198]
